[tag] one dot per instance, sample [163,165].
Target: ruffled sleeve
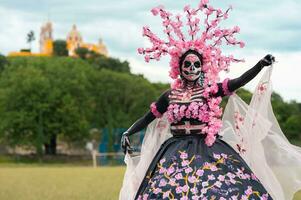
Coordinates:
[225,87]
[154,110]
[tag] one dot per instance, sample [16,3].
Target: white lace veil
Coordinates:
[252,130]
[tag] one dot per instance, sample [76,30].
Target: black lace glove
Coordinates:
[267,60]
[125,143]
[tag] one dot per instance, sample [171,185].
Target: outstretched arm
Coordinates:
[230,85]
[156,110]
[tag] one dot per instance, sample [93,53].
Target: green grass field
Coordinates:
[58,182]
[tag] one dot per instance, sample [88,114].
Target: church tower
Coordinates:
[74,40]
[46,39]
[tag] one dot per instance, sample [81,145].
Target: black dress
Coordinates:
[186,168]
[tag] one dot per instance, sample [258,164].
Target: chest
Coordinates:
[188,104]
[185,96]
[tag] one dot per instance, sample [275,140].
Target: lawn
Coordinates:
[58,182]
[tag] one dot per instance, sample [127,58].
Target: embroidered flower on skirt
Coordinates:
[186,176]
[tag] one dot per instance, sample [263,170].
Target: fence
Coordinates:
[109,149]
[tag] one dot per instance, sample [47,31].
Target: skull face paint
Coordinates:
[191,67]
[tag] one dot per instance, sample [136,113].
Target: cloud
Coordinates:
[270,26]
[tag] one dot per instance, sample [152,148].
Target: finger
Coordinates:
[130,149]
[127,140]
[266,60]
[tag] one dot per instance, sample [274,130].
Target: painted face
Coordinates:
[191,67]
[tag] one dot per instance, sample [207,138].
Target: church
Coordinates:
[74,40]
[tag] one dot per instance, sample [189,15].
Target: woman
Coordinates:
[188,151]
[217,171]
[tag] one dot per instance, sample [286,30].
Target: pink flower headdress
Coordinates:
[207,42]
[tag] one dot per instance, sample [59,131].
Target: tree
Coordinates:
[30,38]
[3,62]
[103,62]
[43,101]
[293,128]
[60,48]
[82,52]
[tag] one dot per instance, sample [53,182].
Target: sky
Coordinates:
[267,26]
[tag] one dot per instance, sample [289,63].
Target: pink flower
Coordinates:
[221,177]
[241,44]
[145,196]
[185,188]
[157,190]
[179,189]
[166,194]
[162,170]
[188,170]
[178,176]
[146,58]
[140,50]
[209,140]
[204,2]
[211,177]
[194,190]
[162,183]
[162,161]
[200,172]
[216,156]
[155,11]
[172,182]
[249,191]
[264,197]
[192,179]
[185,163]
[186,8]
[170,170]
[236,29]
[183,155]
[218,184]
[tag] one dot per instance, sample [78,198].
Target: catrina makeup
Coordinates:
[191,67]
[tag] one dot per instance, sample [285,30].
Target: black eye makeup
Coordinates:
[187,64]
[196,64]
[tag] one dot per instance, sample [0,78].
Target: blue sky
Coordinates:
[267,26]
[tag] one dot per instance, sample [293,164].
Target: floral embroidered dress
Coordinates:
[189,150]
[185,167]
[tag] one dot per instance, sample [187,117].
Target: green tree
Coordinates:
[3,62]
[82,52]
[60,48]
[103,62]
[30,38]
[292,128]
[44,101]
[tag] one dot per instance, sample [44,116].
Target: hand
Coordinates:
[125,143]
[267,60]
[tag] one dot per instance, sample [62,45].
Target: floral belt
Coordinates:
[188,128]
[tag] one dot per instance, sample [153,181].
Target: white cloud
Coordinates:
[270,26]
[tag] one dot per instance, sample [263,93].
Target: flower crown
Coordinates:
[208,43]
